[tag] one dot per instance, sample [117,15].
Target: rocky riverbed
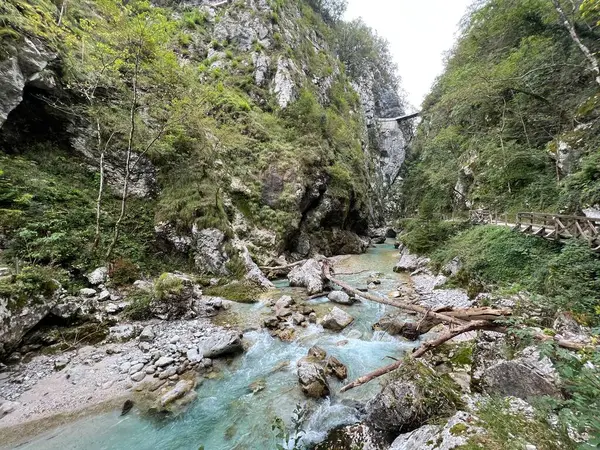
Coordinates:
[223,382]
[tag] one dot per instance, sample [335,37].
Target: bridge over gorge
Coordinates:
[555,227]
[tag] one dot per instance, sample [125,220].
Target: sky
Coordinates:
[419,32]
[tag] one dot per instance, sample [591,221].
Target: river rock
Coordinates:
[311,376]
[138,376]
[397,408]
[193,355]
[317,352]
[340,297]
[121,333]
[399,325]
[308,275]
[409,262]
[87,292]
[336,368]
[358,436]
[454,434]
[164,361]
[7,408]
[147,334]
[528,376]
[220,343]
[282,306]
[97,276]
[180,389]
[337,320]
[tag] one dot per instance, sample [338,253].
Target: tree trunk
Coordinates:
[127,160]
[571,29]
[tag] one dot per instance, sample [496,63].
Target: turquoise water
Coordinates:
[227,415]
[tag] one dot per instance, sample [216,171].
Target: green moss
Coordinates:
[241,292]
[506,430]
[29,284]
[459,429]
[167,285]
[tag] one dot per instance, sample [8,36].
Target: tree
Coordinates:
[593,62]
[331,10]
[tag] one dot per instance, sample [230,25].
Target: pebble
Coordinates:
[138,376]
[7,408]
[147,334]
[164,361]
[87,292]
[104,295]
[175,339]
[124,368]
[108,384]
[135,368]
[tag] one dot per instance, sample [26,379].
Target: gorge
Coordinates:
[222,226]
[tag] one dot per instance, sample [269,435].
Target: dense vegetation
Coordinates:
[140,82]
[513,122]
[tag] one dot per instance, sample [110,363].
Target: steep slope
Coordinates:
[513,122]
[236,118]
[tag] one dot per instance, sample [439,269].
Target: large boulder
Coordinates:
[337,320]
[308,275]
[358,436]
[220,343]
[528,376]
[17,318]
[311,376]
[209,253]
[400,325]
[409,262]
[397,408]
[97,276]
[340,297]
[175,295]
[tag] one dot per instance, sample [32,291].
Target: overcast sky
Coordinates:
[419,32]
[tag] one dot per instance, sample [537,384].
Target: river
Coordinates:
[228,414]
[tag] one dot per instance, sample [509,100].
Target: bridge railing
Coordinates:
[560,226]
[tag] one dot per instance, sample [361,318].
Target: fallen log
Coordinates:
[278,268]
[420,351]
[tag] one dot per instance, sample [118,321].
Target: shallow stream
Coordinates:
[227,414]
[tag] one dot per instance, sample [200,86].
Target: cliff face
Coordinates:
[274,152]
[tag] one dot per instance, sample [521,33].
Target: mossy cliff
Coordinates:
[211,129]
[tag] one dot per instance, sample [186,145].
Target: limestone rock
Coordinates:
[317,353]
[164,361]
[180,390]
[282,306]
[409,262]
[87,292]
[311,376]
[284,87]
[340,297]
[398,407]
[308,275]
[336,368]
[7,408]
[209,254]
[337,320]
[359,436]
[97,276]
[525,377]
[220,343]
[147,334]
[454,434]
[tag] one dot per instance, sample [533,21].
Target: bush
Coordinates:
[424,236]
[166,286]
[140,305]
[241,292]
[122,272]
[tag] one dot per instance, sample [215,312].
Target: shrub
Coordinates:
[424,236]
[140,305]
[241,292]
[166,286]
[123,271]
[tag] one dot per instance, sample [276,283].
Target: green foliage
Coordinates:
[513,88]
[123,271]
[140,304]
[424,236]
[441,394]
[505,429]
[566,277]
[166,286]
[580,374]
[30,283]
[237,291]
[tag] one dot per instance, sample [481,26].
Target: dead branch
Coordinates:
[420,351]
[287,266]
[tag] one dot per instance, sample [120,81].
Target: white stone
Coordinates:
[164,361]
[98,276]
[87,292]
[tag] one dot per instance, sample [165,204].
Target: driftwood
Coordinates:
[468,319]
[420,351]
[280,268]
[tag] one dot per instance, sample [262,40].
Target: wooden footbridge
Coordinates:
[555,227]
